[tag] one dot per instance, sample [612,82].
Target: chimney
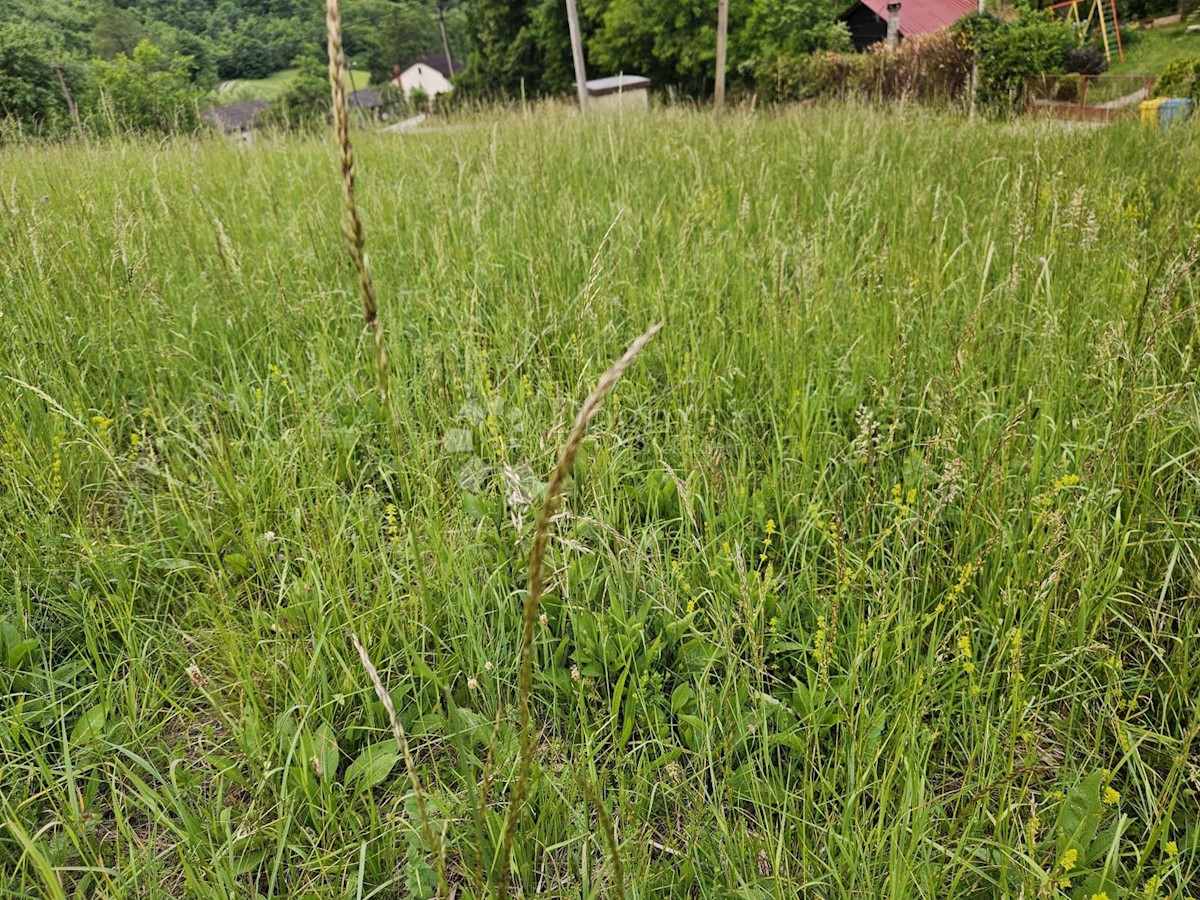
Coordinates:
[893,32]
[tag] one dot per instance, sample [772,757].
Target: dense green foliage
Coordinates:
[933,67]
[209,40]
[148,91]
[383,34]
[511,48]
[524,45]
[306,100]
[242,38]
[30,91]
[877,577]
[144,91]
[1011,51]
[1180,79]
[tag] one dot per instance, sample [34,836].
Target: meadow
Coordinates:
[271,87]
[877,575]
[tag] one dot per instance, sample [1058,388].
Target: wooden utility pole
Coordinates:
[445,42]
[577,55]
[975,65]
[722,40]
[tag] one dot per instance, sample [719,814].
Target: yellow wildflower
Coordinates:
[965,652]
[1069,859]
[1111,796]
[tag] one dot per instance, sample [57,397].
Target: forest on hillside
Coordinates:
[236,38]
[148,65]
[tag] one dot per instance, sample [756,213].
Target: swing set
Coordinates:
[1101,18]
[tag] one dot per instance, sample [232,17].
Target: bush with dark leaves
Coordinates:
[1086,60]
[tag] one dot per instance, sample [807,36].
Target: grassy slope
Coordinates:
[1151,51]
[274,84]
[880,566]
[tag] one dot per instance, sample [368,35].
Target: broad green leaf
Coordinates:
[681,698]
[90,725]
[326,753]
[1080,815]
[19,651]
[372,766]
[237,564]
[475,506]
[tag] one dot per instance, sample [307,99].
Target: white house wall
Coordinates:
[636,99]
[427,78]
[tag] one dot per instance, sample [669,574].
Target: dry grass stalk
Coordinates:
[541,536]
[409,763]
[353,228]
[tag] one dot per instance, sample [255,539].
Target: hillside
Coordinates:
[240,39]
[1149,51]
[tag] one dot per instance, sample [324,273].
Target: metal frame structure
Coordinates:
[1102,14]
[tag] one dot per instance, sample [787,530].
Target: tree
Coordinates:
[504,53]
[116,31]
[29,88]
[148,91]
[203,66]
[552,37]
[1010,51]
[790,29]
[306,100]
[406,30]
[361,25]
[673,42]
[247,53]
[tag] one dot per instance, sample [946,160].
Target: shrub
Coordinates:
[1180,79]
[304,103]
[149,92]
[1010,52]
[927,67]
[818,75]
[30,95]
[1086,60]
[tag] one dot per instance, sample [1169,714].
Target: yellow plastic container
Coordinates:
[1149,111]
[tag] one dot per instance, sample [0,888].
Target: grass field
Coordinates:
[276,83]
[1149,51]
[877,576]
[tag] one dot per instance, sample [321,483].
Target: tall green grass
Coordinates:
[877,575]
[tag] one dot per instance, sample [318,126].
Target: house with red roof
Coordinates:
[867,19]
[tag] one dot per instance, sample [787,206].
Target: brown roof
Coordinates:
[235,116]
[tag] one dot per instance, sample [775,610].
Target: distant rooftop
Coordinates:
[924,16]
[437,62]
[366,98]
[235,116]
[598,87]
